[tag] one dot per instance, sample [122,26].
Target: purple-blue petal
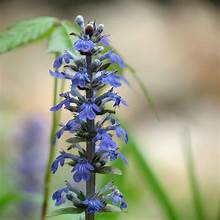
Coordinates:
[56,74]
[58,62]
[84,45]
[105,41]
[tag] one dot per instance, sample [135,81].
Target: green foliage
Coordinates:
[69,210]
[59,40]
[26,31]
[108,170]
[194,186]
[111,208]
[8,195]
[8,199]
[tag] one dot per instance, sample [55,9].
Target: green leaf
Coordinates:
[64,211]
[111,208]
[70,27]
[25,32]
[108,170]
[194,186]
[59,40]
[75,140]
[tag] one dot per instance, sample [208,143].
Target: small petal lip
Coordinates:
[93,205]
[82,170]
[84,45]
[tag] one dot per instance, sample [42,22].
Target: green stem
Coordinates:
[55,122]
[193,180]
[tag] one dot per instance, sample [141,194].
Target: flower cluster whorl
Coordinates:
[90,72]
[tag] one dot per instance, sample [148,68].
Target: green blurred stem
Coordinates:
[150,178]
[144,89]
[194,185]
[55,122]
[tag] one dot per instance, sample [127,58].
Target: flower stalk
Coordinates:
[90,146]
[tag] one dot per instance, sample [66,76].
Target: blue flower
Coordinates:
[114,58]
[59,196]
[72,126]
[113,155]
[108,147]
[81,78]
[118,99]
[105,41]
[60,160]
[111,96]
[117,197]
[93,205]
[82,170]
[111,79]
[88,111]
[84,45]
[60,75]
[120,132]
[59,60]
[105,139]
[65,102]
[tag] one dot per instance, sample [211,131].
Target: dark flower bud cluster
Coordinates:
[93,103]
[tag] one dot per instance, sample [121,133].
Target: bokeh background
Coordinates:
[174,46]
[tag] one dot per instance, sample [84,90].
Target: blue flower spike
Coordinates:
[92,126]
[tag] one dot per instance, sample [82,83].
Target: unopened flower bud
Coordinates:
[89,30]
[80,20]
[98,164]
[100,28]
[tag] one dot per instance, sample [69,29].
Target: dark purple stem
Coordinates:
[90,146]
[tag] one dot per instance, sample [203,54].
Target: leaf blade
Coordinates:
[64,211]
[108,170]
[59,40]
[25,31]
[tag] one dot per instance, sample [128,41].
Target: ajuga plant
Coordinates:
[31,137]
[89,67]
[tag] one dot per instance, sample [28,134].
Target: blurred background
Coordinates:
[174,46]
